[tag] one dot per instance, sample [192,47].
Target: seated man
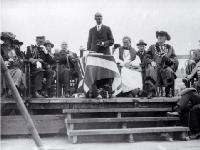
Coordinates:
[195,73]
[162,64]
[13,60]
[67,68]
[37,55]
[188,107]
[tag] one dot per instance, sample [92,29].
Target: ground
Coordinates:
[61,143]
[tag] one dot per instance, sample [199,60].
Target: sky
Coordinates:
[70,20]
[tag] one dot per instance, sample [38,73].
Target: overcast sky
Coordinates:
[70,20]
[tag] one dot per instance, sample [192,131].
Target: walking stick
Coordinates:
[30,125]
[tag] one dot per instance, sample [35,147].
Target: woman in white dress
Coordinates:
[129,66]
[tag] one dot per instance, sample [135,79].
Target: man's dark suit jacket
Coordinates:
[104,35]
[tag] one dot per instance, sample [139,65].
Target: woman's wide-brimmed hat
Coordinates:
[163,33]
[7,35]
[141,42]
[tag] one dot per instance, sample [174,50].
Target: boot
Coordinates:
[37,95]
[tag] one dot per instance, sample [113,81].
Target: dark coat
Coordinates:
[143,58]
[104,35]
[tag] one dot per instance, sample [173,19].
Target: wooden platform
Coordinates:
[80,117]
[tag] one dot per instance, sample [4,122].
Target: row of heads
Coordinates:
[10,37]
[42,40]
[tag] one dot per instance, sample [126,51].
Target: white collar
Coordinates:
[99,25]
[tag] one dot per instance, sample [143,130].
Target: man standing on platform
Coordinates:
[99,41]
[100,37]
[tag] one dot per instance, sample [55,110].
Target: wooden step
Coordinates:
[45,124]
[117,110]
[128,131]
[124,119]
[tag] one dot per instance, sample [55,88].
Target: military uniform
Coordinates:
[67,68]
[36,54]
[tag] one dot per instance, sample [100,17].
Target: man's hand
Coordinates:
[10,59]
[40,60]
[153,63]
[189,76]
[7,63]
[100,44]
[38,64]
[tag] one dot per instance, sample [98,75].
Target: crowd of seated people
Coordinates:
[35,70]
[143,72]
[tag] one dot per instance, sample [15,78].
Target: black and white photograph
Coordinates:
[100,74]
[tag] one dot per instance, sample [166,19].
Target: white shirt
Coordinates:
[99,27]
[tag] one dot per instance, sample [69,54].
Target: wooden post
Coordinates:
[21,106]
[57,80]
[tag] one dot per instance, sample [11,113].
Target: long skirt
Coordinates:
[131,79]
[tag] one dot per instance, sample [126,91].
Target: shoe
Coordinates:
[173,113]
[150,95]
[37,95]
[45,94]
[99,96]
[195,136]
[67,95]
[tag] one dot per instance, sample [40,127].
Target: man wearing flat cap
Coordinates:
[162,65]
[100,37]
[141,45]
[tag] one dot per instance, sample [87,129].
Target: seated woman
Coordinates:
[128,63]
[13,62]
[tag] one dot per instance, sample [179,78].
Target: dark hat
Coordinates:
[48,42]
[7,35]
[163,33]
[40,37]
[17,42]
[141,42]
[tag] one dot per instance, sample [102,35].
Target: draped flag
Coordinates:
[95,67]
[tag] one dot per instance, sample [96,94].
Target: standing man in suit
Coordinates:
[99,41]
[100,37]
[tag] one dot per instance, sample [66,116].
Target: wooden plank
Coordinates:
[117,110]
[88,100]
[126,119]
[45,124]
[128,131]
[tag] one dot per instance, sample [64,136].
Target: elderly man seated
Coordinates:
[188,108]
